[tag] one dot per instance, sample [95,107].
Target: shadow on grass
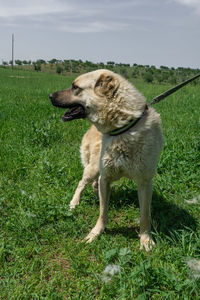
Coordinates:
[166,216]
[130,232]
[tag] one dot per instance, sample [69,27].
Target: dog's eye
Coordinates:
[74,87]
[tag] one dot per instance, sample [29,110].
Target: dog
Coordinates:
[125,140]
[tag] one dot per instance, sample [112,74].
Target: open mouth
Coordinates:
[75,112]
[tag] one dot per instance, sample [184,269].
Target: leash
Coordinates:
[157,99]
[171,91]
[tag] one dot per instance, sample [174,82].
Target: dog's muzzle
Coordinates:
[76,110]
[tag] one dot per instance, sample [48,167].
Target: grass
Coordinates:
[42,255]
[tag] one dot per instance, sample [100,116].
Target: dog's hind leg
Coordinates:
[90,153]
[90,174]
[145,195]
[95,187]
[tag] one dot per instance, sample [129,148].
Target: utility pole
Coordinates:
[70,63]
[12,50]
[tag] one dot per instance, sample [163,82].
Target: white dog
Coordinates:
[126,140]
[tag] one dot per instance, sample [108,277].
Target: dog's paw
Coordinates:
[72,205]
[95,232]
[90,237]
[146,242]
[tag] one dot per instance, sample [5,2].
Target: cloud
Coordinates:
[71,16]
[93,26]
[12,9]
[23,8]
[194,4]
[88,16]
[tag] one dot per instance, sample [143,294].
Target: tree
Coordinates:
[111,63]
[165,76]
[37,66]
[134,74]
[18,62]
[59,69]
[172,80]
[101,65]
[159,78]
[164,68]
[53,61]
[41,61]
[148,77]
[124,73]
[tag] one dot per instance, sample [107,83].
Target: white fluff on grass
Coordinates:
[194,266]
[195,200]
[23,192]
[110,271]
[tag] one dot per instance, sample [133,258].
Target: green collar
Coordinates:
[126,127]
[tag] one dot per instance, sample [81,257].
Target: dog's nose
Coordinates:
[51,97]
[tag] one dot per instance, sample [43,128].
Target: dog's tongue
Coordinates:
[75,112]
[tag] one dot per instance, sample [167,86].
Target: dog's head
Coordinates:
[88,93]
[105,98]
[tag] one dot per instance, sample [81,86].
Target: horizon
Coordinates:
[131,65]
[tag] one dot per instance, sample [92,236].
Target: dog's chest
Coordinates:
[121,159]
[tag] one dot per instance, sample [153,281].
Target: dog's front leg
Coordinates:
[145,195]
[104,195]
[90,174]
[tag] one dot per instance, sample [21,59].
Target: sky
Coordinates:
[148,32]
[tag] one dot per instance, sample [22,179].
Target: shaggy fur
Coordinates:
[109,102]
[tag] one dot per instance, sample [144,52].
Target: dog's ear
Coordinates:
[106,85]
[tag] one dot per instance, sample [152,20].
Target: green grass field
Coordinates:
[42,255]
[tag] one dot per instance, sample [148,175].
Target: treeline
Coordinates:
[147,73]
